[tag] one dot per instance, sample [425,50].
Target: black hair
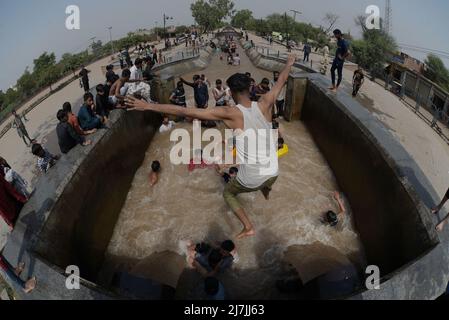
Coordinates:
[233,170]
[156,166]
[337,32]
[109,67]
[126,73]
[214,258]
[67,107]
[36,149]
[275,124]
[239,83]
[138,61]
[202,248]
[265,81]
[179,84]
[228,245]
[211,286]
[61,115]
[196,77]
[87,95]
[100,88]
[332,218]
[248,74]
[281,140]
[218,81]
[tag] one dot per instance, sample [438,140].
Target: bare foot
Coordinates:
[440,226]
[20,268]
[266,193]
[337,195]
[30,285]
[246,233]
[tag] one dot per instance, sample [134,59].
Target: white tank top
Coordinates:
[256,148]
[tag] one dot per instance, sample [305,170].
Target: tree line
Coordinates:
[46,70]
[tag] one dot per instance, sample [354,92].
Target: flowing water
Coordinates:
[189,206]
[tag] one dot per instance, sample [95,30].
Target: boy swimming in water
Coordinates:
[281,143]
[331,217]
[231,175]
[154,174]
[210,260]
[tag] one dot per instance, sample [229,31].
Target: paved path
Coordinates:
[429,151]
[42,123]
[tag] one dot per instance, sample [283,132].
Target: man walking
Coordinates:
[307,50]
[84,74]
[21,130]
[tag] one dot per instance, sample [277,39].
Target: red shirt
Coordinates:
[10,201]
[73,121]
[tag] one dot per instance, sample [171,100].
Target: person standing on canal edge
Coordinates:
[340,55]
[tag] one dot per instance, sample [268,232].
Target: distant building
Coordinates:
[405,61]
[405,75]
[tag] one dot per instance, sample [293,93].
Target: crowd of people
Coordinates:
[240,103]
[229,48]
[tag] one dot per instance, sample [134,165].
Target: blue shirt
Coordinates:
[201,94]
[87,118]
[342,49]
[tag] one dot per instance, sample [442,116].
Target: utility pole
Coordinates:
[295,12]
[165,30]
[388,17]
[286,28]
[92,45]
[110,37]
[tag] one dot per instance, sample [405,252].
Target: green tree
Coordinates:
[242,18]
[374,50]
[436,71]
[49,76]
[96,47]
[43,61]
[2,100]
[209,14]
[11,96]
[26,84]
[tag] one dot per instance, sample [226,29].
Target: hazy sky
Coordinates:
[30,27]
